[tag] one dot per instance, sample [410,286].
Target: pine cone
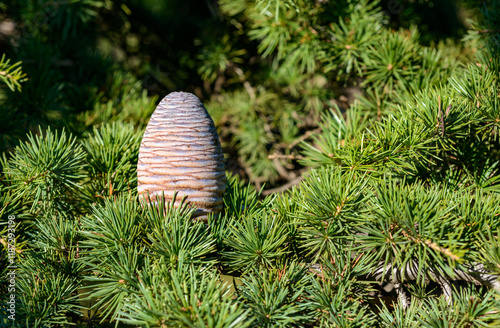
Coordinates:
[181,151]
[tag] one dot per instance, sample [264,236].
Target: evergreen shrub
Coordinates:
[363,165]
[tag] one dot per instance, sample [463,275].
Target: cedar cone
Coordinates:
[181,151]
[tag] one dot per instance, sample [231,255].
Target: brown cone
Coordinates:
[181,151]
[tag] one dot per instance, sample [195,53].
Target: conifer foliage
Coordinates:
[391,217]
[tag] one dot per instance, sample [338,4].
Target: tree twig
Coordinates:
[405,302]
[281,170]
[282,156]
[475,273]
[304,137]
[283,187]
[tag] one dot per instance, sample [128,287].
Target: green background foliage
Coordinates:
[361,145]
